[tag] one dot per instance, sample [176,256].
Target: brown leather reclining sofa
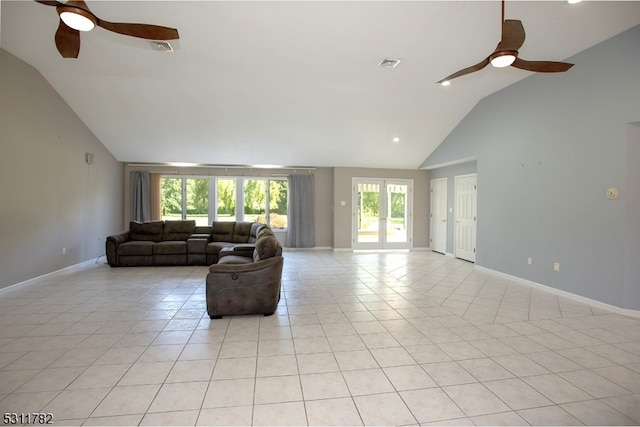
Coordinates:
[179,242]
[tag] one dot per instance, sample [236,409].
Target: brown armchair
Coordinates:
[251,286]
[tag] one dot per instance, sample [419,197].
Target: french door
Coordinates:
[382,214]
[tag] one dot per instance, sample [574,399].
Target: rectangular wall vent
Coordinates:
[161,46]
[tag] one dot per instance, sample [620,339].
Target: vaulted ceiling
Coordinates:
[295,82]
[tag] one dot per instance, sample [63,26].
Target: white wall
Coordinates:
[547,148]
[51,198]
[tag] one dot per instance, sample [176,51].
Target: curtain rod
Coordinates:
[212,166]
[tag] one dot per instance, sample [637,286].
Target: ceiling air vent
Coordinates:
[389,63]
[161,46]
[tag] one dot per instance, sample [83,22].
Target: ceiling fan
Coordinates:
[75,16]
[506,53]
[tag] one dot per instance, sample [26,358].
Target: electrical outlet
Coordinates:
[529,261]
[556,266]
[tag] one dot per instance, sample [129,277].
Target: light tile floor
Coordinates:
[401,338]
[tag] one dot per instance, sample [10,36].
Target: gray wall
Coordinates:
[450,172]
[51,198]
[342,180]
[547,148]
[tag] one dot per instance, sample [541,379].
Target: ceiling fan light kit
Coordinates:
[77,19]
[502,59]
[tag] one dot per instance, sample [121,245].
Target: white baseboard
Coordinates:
[568,295]
[37,278]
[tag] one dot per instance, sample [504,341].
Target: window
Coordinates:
[278,200]
[255,198]
[171,198]
[185,198]
[262,199]
[226,199]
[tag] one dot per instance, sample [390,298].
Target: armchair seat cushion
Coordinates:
[235,259]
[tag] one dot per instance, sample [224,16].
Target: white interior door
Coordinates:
[438,238]
[382,214]
[465,211]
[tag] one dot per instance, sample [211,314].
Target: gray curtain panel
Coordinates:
[140,196]
[300,228]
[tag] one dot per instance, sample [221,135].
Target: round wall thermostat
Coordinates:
[612,193]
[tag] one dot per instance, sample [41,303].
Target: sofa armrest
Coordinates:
[239,249]
[122,237]
[111,246]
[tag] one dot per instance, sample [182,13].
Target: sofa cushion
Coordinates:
[267,247]
[170,248]
[242,232]
[222,231]
[264,231]
[136,248]
[255,229]
[178,230]
[150,231]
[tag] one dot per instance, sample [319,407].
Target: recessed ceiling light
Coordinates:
[389,63]
[396,139]
[446,83]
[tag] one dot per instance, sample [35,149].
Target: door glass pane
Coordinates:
[278,203]
[368,215]
[198,200]
[397,213]
[226,203]
[171,198]
[255,200]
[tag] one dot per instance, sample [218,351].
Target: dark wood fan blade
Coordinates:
[50,2]
[78,3]
[143,31]
[479,66]
[512,35]
[541,66]
[67,41]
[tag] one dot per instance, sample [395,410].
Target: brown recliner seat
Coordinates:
[251,286]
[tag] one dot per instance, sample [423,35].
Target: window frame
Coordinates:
[239,195]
